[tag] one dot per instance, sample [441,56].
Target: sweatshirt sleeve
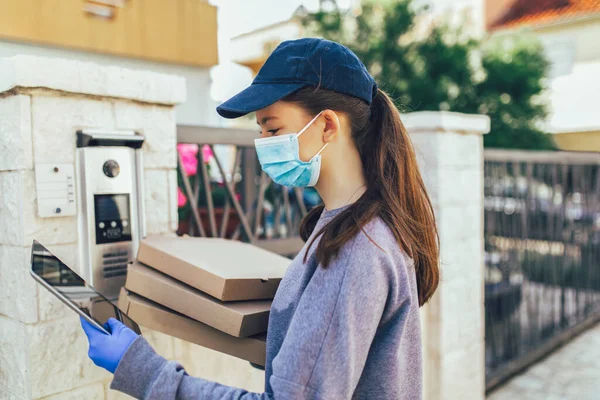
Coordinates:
[324,350]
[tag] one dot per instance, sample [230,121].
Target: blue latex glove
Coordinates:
[105,350]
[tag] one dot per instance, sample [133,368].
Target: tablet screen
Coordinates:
[75,290]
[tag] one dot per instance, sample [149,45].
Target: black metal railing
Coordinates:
[242,203]
[542,247]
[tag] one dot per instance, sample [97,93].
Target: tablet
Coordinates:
[72,290]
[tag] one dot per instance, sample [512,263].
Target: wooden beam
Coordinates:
[176,31]
[549,157]
[212,135]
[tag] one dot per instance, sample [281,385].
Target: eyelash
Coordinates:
[271,131]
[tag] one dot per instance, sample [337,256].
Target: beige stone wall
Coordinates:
[43,350]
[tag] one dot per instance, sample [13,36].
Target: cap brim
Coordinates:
[255,97]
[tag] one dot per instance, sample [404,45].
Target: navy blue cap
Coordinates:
[295,64]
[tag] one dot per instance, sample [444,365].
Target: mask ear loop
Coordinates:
[319,153]
[323,148]
[304,130]
[309,124]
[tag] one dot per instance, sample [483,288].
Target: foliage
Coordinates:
[445,69]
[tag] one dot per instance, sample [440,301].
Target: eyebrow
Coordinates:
[265,119]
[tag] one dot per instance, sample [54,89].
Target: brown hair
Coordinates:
[395,191]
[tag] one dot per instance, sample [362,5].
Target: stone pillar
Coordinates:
[43,102]
[43,351]
[449,147]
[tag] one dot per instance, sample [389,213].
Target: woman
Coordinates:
[345,320]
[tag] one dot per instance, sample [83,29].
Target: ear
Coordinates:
[332,126]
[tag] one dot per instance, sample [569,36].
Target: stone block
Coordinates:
[157,124]
[173,208]
[218,367]
[431,179]
[452,150]
[19,290]
[426,146]
[56,119]
[459,187]
[5,394]
[115,395]
[89,392]
[464,376]
[170,89]
[15,133]
[156,187]
[461,259]
[50,307]
[19,215]
[443,121]
[58,357]
[461,312]
[11,211]
[460,150]
[452,186]
[89,78]
[458,222]
[14,366]
[48,231]
[161,343]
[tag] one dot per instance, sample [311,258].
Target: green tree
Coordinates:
[446,69]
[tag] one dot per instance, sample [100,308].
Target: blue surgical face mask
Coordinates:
[279,157]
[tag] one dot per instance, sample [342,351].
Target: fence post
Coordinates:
[449,148]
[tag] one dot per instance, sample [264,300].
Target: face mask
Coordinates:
[279,157]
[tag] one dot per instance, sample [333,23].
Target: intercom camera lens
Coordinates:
[111,168]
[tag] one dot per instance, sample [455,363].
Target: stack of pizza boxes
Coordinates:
[216,293]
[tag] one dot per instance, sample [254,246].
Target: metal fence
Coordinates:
[252,209]
[542,244]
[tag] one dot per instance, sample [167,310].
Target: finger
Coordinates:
[115,326]
[89,329]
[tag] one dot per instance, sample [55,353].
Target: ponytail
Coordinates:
[395,192]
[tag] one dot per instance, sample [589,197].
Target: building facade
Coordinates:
[569,32]
[175,37]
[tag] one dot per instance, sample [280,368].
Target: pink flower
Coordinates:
[181,199]
[207,153]
[188,154]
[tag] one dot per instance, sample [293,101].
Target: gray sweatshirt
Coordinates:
[350,331]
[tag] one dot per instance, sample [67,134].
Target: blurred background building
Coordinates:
[569,32]
[168,37]
[536,218]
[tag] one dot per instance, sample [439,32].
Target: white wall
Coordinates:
[574,54]
[577,43]
[251,47]
[199,109]
[473,10]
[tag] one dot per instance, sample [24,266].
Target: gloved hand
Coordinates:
[105,350]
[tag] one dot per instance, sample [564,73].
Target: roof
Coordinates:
[541,12]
